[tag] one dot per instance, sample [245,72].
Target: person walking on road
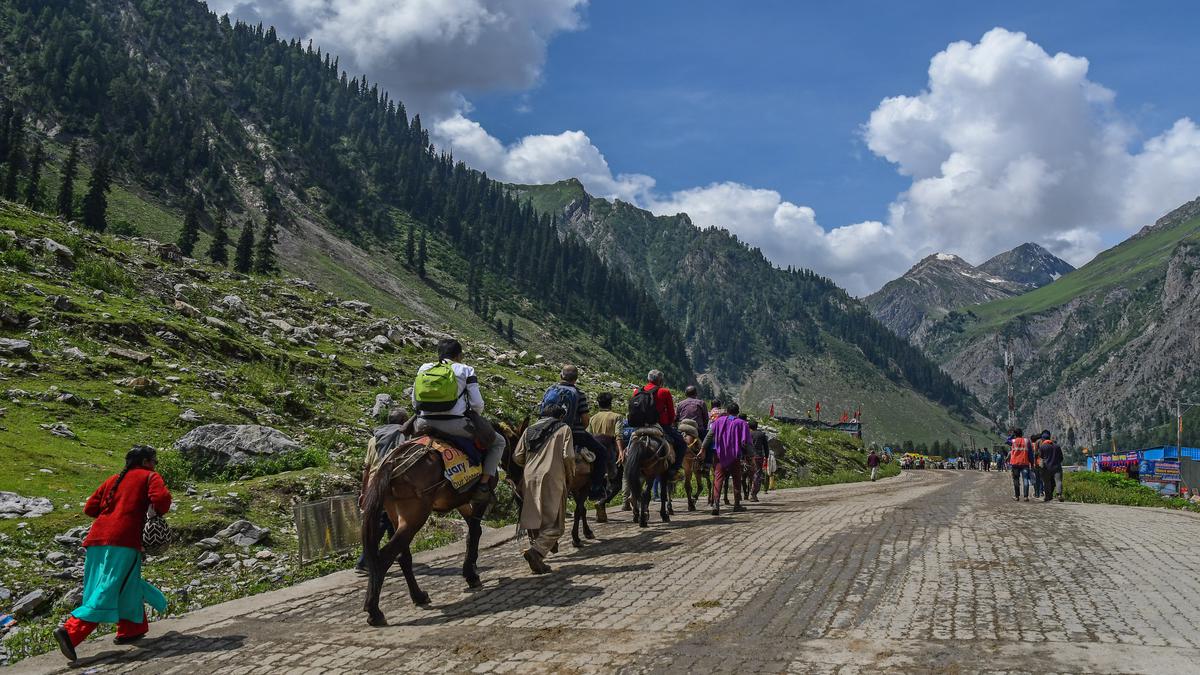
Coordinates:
[605,427]
[1019,462]
[1052,460]
[547,452]
[873,464]
[759,450]
[113,588]
[382,441]
[727,439]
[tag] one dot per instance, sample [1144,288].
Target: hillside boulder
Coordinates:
[225,445]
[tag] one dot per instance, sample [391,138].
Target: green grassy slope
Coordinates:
[1129,265]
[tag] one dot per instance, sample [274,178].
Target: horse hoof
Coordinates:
[666,518]
[473,581]
[577,543]
[377,620]
[590,535]
[420,599]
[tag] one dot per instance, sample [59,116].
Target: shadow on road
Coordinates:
[178,643]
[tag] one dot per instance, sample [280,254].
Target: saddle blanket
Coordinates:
[461,468]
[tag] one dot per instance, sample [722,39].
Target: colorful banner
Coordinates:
[1162,469]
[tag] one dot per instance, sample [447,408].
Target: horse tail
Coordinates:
[380,484]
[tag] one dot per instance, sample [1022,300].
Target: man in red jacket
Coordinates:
[664,403]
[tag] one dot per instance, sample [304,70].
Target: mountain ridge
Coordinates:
[942,283]
[1102,352]
[797,337]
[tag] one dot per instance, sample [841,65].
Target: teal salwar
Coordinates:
[113,588]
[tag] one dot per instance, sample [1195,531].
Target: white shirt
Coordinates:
[466,380]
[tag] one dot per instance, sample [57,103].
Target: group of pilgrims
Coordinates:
[715,440]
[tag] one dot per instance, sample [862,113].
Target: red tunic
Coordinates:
[122,522]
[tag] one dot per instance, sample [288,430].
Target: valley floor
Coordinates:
[928,571]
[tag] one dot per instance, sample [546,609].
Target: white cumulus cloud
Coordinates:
[1009,144]
[427,53]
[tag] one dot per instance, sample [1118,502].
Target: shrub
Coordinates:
[123,228]
[1114,488]
[17,259]
[103,275]
[174,469]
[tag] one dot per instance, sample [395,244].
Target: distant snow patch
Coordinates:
[946,257]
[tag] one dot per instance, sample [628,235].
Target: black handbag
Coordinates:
[156,534]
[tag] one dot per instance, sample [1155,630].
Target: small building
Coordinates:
[1169,469]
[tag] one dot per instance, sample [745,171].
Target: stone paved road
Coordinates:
[932,571]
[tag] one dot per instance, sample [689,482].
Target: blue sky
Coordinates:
[817,131]
[773,94]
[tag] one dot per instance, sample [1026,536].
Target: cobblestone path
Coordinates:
[932,571]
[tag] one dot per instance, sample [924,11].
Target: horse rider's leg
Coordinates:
[474,532]
[665,500]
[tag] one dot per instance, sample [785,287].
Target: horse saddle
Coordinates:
[653,439]
[460,467]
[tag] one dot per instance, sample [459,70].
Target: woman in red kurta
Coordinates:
[113,588]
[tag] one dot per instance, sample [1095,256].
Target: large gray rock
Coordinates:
[13,505]
[13,347]
[222,445]
[243,533]
[31,603]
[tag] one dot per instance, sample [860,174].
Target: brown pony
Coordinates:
[646,460]
[409,498]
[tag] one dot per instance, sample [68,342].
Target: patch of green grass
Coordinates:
[101,274]
[16,259]
[1127,265]
[837,477]
[705,604]
[1113,488]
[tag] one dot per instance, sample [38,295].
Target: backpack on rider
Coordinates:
[642,409]
[436,388]
[566,398]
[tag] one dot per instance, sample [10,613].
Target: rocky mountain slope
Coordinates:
[1029,265]
[763,334]
[942,283]
[1104,351]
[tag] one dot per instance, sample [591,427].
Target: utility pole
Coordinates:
[1008,374]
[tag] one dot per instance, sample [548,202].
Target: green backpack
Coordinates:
[436,389]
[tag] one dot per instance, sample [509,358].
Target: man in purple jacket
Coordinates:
[727,439]
[694,409]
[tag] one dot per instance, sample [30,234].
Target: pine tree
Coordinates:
[510,329]
[66,191]
[191,226]
[422,255]
[16,157]
[264,248]
[243,257]
[217,252]
[409,245]
[95,202]
[33,188]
